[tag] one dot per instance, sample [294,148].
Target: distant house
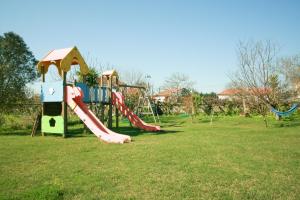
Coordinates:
[232,93]
[167,95]
[228,94]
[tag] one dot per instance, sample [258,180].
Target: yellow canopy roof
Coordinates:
[63,59]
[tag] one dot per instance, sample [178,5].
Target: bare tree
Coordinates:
[133,77]
[179,87]
[256,77]
[178,81]
[290,68]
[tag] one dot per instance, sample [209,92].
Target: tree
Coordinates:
[256,77]
[178,81]
[180,85]
[90,78]
[135,96]
[290,68]
[133,77]
[210,100]
[17,68]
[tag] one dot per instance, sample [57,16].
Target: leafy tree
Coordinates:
[90,78]
[17,68]
[209,101]
[197,101]
[185,92]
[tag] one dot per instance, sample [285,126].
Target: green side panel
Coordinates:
[52,124]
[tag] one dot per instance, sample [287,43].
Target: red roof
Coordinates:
[168,92]
[229,92]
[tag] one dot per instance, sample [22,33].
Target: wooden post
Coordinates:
[102,106]
[37,123]
[245,110]
[117,117]
[116,108]
[110,104]
[43,107]
[64,105]
[102,112]
[85,130]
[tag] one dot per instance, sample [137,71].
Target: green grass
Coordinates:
[232,158]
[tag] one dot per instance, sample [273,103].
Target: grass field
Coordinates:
[234,158]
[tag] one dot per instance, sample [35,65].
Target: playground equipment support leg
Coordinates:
[65,106]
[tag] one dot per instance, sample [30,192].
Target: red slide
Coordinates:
[118,101]
[74,100]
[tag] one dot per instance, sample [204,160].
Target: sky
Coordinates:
[156,37]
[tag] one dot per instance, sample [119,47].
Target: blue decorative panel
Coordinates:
[104,95]
[86,91]
[52,92]
[94,91]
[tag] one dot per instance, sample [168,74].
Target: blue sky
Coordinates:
[197,38]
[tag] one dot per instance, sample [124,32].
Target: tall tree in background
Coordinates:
[290,68]
[178,81]
[179,86]
[256,77]
[133,77]
[133,95]
[17,68]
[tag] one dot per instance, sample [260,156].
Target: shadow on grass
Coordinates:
[78,132]
[10,132]
[81,132]
[173,123]
[74,122]
[133,131]
[285,124]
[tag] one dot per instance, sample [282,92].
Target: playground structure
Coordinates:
[144,106]
[57,96]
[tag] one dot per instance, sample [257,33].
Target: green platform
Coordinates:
[52,124]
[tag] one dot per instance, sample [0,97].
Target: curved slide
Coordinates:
[74,100]
[118,101]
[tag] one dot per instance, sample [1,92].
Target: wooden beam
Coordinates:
[43,106]
[116,109]
[64,105]
[132,86]
[110,111]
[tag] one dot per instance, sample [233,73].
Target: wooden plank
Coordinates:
[37,123]
[65,106]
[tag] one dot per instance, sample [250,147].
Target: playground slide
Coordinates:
[118,101]
[74,100]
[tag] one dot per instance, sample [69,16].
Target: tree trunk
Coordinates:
[211,117]
[265,120]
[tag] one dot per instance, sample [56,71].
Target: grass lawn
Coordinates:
[234,158]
